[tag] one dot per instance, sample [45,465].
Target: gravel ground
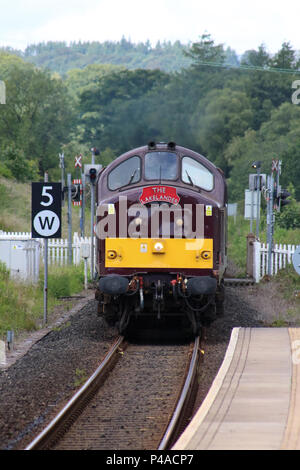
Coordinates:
[47,376]
[40,382]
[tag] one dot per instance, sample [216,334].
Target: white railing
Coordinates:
[15,235]
[58,252]
[281,257]
[57,247]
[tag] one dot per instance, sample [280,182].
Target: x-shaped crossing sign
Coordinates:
[78,161]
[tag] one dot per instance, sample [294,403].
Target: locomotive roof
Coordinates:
[218,193]
[162,146]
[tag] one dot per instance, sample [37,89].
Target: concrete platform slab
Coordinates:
[254,402]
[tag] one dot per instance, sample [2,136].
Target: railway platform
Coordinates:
[254,401]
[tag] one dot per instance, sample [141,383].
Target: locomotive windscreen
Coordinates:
[128,172]
[161,165]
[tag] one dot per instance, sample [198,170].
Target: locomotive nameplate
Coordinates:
[159,194]
[183,253]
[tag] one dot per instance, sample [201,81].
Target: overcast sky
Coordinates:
[240,24]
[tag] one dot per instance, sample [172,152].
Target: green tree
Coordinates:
[206,51]
[219,117]
[278,138]
[109,108]
[285,58]
[18,165]
[37,116]
[289,216]
[259,58]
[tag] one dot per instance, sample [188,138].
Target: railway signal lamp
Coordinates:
[93,175]
[256,181]
[283,201]
[280,198]
[75,190]
[256,165]
[95,151]
[91,172]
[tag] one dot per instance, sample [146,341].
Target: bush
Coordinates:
[16,164]
[64,281]
[21,306]
[289,216]
[5,172]
[237,241]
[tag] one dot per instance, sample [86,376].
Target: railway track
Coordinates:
[132,401]
[68,415]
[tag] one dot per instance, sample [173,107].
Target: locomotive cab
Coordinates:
[161,236]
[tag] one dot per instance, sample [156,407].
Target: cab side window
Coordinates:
[128,172]
[196,174]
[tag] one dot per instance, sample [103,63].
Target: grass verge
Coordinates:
[21,304]
[237,239]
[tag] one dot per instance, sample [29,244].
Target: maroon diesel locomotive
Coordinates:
[161,236]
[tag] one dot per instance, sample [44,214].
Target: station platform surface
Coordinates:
[254,401]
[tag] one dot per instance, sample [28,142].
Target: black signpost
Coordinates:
[46,210]
[46,220]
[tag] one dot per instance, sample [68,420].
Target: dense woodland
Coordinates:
[117,96]
[61,57]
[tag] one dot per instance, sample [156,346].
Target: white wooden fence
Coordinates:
[58,252]
[57,248]
[281,257]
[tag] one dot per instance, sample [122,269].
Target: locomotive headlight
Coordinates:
[179,222]
[158,247]
[111,254]
[206,254]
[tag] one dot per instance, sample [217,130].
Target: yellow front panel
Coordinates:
[158,253]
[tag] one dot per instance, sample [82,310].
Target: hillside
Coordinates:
[232,115]
[60,57]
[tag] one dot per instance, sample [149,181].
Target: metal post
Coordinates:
[92,228]
[93,150]
[69,219]
[252,211]
[270,222]
[45,270]
[82,221]
[10,339]
[85,273]
[62,167]
[257,201]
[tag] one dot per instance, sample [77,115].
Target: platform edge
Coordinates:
[200,415]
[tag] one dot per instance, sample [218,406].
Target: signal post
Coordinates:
[91,174]
[276,199]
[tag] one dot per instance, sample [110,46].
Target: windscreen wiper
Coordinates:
[190,179]
[132,177]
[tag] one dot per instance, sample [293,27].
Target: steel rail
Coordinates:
[183,399]
[48,433]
